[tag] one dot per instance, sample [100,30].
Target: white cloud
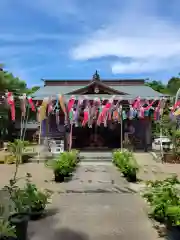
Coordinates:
[152,43]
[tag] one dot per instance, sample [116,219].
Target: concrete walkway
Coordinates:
[95,205]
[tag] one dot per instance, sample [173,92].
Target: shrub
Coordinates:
[127,164]
[164,200]
[64,164]
[37,199]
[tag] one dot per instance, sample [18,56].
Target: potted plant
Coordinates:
[7,231]
[19,217]
[37,199]
[63,166]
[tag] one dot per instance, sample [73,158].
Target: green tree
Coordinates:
[173,85]
[8,81]
[158,86]
[30,91]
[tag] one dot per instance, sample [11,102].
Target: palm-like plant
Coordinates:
[16,149]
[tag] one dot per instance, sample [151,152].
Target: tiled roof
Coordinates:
[132,91]
[53,90]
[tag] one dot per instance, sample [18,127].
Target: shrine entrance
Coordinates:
[97,137]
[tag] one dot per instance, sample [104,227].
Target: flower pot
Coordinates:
[169,158]
[8,238]
[131,178]
[36,214]
[58,177]
[20,221]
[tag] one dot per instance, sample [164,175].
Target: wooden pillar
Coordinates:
[145,134]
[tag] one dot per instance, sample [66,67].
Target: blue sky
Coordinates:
[70,39]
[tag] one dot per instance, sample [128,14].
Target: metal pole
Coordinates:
[121,122]
[121,133]
[39,140]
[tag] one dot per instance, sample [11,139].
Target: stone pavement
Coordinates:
[97,204]
[152,170]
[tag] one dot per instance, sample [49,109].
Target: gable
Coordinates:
[97,87]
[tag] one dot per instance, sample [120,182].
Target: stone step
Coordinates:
[96,159]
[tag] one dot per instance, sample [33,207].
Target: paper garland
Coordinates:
[93,110]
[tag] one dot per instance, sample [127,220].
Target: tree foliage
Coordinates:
[173,85]
[158,86]
[13,84]
[10,82]
[30,91]
[170,88]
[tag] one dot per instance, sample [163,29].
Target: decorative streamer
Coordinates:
[171,116]
[120,113]
[131,113]
[23,103]
[77,111]
[90,108]
[86,116]
[11,103]
[43,128]
[116,114]
[92,112]
[175,106]
[25,123]
[135,113]
[43,108]
[124,116]
[150,105]
[98,109]
[177,112]
[57,117]
[136,103]
[71,116]
[63,107]
[141,112]
[50,106]
[157,112]
[107,106]
[104,111]
[71,103]
[38,114]
[62,104]
[100,118]
[30,101]
[70,109]
[146,113]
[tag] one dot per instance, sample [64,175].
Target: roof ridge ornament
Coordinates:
[96,76]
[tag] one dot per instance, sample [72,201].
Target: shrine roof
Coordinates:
[127,92]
